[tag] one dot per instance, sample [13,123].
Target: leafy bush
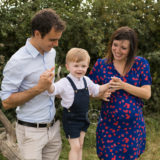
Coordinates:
[89,26]
[153,104]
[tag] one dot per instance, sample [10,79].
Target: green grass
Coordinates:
[2,158]
[89,150]
[152,151]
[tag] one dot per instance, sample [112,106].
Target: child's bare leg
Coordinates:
[81,141]
[75,148]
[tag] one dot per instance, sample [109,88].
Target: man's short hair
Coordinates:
[44,20]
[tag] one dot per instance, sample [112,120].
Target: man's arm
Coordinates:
[20,98]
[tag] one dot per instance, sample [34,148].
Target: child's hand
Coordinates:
[48,73]
[105,96]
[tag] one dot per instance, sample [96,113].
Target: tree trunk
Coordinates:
[8,145]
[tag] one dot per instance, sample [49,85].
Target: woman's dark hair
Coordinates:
[44,20]
[124,33]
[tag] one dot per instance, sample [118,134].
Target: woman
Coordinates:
[121,133]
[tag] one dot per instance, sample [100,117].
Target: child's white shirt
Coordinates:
[65,90]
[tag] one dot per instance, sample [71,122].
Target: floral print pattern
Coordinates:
[121,132]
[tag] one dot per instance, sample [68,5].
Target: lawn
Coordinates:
[152,151]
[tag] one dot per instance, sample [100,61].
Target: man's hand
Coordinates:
[19,98]
[45,80]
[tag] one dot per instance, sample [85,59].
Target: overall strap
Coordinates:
[72,83]
[85,83]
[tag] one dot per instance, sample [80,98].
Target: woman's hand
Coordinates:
[138,91]
[116,84]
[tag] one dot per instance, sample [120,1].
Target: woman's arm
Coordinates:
[141,92]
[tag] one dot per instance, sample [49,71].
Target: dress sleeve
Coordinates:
[145,76]
[95,72]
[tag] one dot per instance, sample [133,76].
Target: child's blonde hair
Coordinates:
[77,55]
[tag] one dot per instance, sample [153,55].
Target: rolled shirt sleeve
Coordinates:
[13,77]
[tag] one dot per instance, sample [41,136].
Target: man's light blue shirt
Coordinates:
[21,73]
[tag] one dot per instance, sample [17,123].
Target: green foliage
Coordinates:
[89,26]
[143,16]
[2,158]
[153,104]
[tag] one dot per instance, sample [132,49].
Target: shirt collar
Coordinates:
[31,49]
[74,78]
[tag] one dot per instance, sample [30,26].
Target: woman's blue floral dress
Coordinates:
[121,133]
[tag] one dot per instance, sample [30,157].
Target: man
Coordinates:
[25,86]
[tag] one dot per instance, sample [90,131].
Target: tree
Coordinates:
[89,26]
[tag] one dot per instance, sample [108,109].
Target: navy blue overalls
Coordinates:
[75,119]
